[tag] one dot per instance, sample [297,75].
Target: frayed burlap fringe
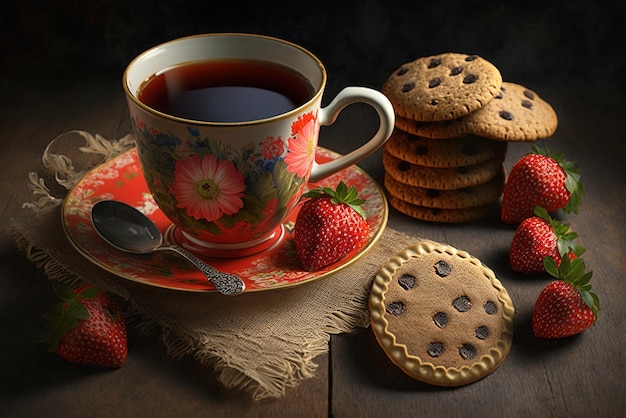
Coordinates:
[263,344]
[64,169]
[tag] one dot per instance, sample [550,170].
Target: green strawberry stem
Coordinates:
[572,179]
[564,235]
[66,315]
[573,272]
[342,194]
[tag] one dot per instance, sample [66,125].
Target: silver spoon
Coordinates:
[127,229]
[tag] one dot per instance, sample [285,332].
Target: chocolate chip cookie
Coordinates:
[442,87]
[440,315]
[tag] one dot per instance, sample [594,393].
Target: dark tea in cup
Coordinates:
[226,90]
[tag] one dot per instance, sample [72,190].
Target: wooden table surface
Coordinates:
[61,69]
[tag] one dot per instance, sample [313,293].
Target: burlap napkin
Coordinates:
[260,342]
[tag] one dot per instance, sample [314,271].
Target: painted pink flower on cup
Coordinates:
[302,144]
[208,188]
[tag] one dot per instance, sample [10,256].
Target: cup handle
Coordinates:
[328,116]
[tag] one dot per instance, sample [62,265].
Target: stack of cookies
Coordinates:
[454,119]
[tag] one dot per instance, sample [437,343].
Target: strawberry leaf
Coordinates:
[66,293]
[341,195]
[551,267]
[574,272]
[564,235]
[595,303]
[89,292]
[77,310]
[66,315]
[542,213]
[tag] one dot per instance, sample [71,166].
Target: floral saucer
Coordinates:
[121,179]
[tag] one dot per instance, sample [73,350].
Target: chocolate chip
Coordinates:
[490,307]
[529,94]
[404,166]
[406,281]
[470,78]
[468,149]
[402,71]
[442,268]
[456,71]
[435,349]
[506,115]
[421,150]
[482,332]
[434,82]
[434,102]
[408,87]
[471,57]
[435,62]
[527,104]
[462,304]
[441,319]
[433,193]
[396,308]
[467,351]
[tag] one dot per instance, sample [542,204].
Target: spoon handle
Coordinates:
[225,283]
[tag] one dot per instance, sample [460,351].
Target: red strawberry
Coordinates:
[566,306]
[330,225]
[538,237]
[88,328]
[541,179]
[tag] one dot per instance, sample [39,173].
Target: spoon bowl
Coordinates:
[127,229]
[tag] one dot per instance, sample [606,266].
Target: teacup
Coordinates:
[227,127]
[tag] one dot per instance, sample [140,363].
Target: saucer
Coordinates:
[276,267]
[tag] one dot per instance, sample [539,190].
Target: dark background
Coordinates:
[575,42]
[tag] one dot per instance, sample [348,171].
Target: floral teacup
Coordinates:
[228,185]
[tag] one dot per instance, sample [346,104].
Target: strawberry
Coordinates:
[538,237]
[566,306]
[330,225]
[88,328]
[541,179]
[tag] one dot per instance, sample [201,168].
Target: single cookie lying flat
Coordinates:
[442,87]
[456,152]
[467,197]
[448,216]
[440,315]
[442,178]
[516,114]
